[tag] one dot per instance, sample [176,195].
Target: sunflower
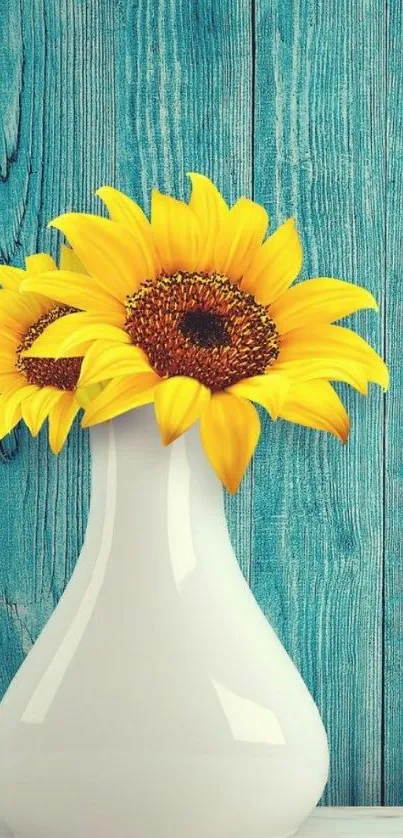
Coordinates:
[33,389]
[194,312]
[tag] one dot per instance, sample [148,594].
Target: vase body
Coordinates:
[157,702]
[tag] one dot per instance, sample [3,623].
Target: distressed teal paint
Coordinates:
[286,99]
[393,649]
[57,121]
[317,519]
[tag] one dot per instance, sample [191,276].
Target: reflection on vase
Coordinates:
[157,702]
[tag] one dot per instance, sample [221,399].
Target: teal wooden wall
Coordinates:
[299,103]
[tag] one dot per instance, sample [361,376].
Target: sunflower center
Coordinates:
[62,373]
[201,326]
[204,328]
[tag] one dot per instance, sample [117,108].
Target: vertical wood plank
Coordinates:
[186,105]
[57,112]
[318,506]
[393,678]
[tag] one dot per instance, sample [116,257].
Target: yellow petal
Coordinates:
[11,380]
[210,210]
[85,395]
[176,233]
[239,238]
[178,403]
[107,251]
[39,263]
[276,264]
[268,390]
[6,427]
[230,429]
[69,261]
[8,359]
[36,409]
[21,310]
[85,335]
[9,337]
[61,418]
[72,334]
[121,395]
[316,405]
[337,343]
[73,290]
[9,340]
[11,277]
[50,345]
[108,359]
[10,403]
[11,331]
[318,300]
[126,212]
[12,327]
[328,369]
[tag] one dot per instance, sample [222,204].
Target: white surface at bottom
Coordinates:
[338,822]
[353,821]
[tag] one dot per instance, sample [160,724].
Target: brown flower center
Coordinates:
[201,326]
[204,328]
[62,373]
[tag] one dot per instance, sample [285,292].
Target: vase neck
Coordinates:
[160,498]
[142,459]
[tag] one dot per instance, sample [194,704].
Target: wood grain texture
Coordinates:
[318,506]
[57,115]
[286,100]
[393,669]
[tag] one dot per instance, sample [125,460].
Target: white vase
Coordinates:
[157,702]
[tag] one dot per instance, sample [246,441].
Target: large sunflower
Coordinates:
[34,389]
[194,311]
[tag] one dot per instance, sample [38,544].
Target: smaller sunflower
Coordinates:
[194,311]
[34,389]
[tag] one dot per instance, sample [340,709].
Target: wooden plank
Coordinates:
[57,106]
[185,105]
[393,679]
[317,506]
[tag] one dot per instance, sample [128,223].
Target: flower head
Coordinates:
[194,311]
[35,388]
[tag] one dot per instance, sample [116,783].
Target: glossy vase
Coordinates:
[157,702]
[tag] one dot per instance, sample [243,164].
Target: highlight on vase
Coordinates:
[195,311]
